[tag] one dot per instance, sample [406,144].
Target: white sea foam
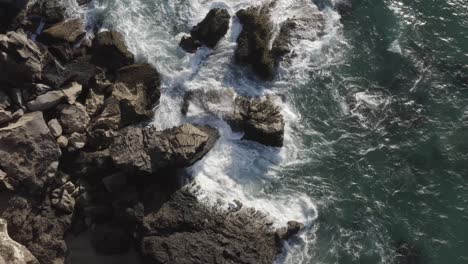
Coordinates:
[234,169]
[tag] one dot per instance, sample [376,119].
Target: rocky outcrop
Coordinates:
[208,32]
[260,119]
[111,51]
[252,43]
[12,252]
[184,231]
[28,152]
[21,59]
[257,33]
[145,150]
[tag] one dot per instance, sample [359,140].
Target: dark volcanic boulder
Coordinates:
[252,43]
[209,31]
[28,152]
[12,252]
[260,119]
[21,59]
[111,51]
[183,231]
[145,150]
[37,226]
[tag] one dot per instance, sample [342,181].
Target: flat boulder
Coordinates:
[209,31]
[70,31]
[29,154]
[21,60]
[145,150]
[53,11]
[111,51]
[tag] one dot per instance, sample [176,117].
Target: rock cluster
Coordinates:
[75,154]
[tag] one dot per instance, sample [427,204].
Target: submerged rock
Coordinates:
[184,231]
[28,152]
[146,150]
[12,252]
[209,31]
[111,51]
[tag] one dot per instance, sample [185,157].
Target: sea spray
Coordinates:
[235,170]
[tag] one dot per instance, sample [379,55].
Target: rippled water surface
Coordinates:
[376,151]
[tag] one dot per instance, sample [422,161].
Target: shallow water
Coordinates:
[377,120]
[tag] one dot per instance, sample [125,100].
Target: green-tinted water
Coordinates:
[384,125]
[390,148]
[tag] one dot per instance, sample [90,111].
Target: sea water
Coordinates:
[375,151]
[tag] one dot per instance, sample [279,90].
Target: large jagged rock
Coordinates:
[260,119]
[134,95]
[12,252]
[111,51]
[208,32]
[33,223]
[307,25]
[20,58]
[28,152]
[145,150]
[70,31]
[252,43]
[183,231]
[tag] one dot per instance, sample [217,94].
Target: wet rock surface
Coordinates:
[252,43]
[259,118]
[208,32]
[184,231]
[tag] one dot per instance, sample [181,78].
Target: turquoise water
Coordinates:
[376,154]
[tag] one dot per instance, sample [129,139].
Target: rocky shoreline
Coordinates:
[76,156]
